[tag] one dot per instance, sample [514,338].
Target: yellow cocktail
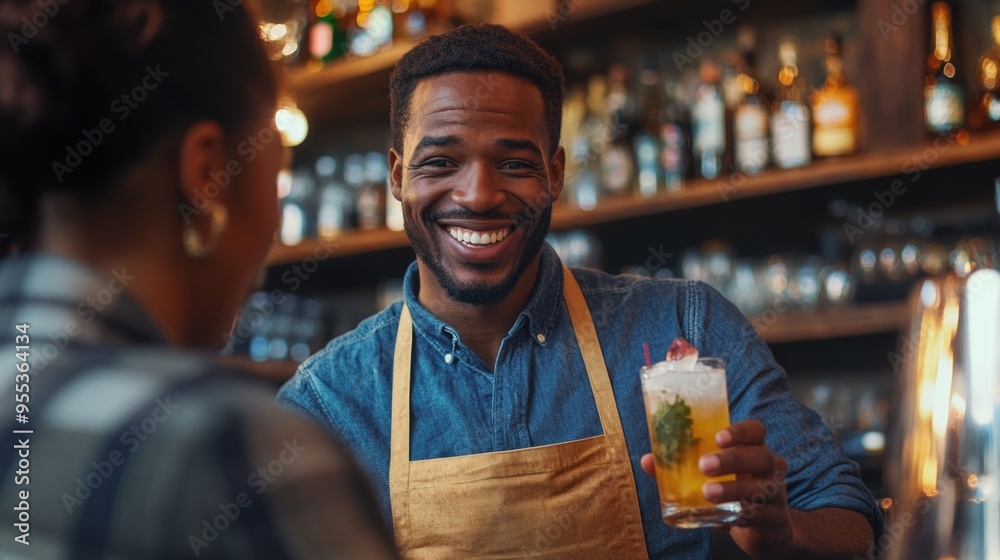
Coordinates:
[686,405]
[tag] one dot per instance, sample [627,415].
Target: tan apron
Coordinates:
[568,500]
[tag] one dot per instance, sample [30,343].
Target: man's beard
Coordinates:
[480,294]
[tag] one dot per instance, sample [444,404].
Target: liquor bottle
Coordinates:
[295,222]
[988,79]
[408,20]
[589,143]
[647,141]
[598,122]
[327,36]
[372,192]
[584,184]
[589,138]
[306,330]
[257,346]
[335,203]
[835,108]
[750,118]
[789,115]
[616,160]
[674,133]
[281,329]
[574,138]
[944,104]
[708,122]
[371,30]
[393,211]
[354,178]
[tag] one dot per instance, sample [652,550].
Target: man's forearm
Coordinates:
[828,534]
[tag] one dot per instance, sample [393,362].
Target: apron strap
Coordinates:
[593,357]
[607,407]
[399,438]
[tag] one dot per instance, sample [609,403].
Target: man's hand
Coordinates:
[764,529]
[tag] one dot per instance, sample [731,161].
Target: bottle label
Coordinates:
[333,211]
[370,211]
[585,189]
[616,168]
[709,114]
[646,148]
[672,155]
[416,25]
[944,108]
[790,135]
[750,136]
[293,224]
[834,133]
[321,39]
[993,108]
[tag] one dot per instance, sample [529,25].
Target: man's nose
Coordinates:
[479,190]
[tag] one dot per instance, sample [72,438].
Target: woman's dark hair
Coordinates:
[471,48]
[87,87]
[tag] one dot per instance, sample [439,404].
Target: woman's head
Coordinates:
[142,132]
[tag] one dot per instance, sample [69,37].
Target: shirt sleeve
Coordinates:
[819,475]
[298,395]
[287,491]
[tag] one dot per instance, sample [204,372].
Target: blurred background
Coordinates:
[810,160]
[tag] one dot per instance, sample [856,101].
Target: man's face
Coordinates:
[476,181]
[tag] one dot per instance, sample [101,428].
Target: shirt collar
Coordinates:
[540,314]
[64,299]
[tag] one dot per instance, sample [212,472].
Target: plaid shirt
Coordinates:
[139,451]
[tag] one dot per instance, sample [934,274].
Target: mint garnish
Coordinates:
[674,436]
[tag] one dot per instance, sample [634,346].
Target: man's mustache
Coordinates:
[467,215]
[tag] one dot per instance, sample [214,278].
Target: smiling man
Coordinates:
[496,418]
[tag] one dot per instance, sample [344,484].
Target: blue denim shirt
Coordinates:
[538,392]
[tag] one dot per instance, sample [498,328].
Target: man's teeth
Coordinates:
[479,237]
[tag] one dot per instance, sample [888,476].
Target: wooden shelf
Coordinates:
[794,326]
[696,193]
[279,372]
[306,79]
[821,173]
[839,322]
[350,243]
[356,87]
[527,16]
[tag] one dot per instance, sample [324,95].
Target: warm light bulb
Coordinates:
[292,125]
[277,31]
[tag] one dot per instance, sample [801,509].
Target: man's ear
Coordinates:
[395,174]
[557,172]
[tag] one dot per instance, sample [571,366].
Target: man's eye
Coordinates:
[516,165]
[436,163]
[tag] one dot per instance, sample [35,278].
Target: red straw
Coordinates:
[645,350]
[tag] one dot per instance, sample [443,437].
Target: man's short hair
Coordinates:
[471,48]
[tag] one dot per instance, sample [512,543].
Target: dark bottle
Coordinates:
[647,137]
[790,119]
[327,36]
[674,135]
[944,101]
[987,111]
[616,159]
[750,119]
[708,122]
[835,107]
[372,192]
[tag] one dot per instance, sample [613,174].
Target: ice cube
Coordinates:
[681,349]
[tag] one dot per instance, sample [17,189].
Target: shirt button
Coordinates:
[448,358]
[540,337]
